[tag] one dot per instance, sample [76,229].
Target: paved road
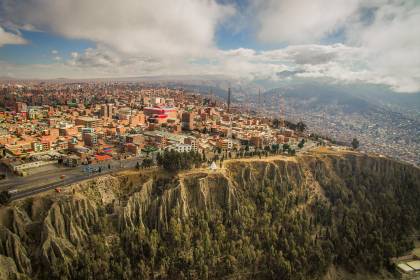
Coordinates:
[36,183]
[17,182]
[61,184]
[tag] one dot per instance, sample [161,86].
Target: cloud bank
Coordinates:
[370,41]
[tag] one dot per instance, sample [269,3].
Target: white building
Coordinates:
[181,148]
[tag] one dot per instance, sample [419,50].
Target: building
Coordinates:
[72,161]
[132,148]
[225,144]
[137,139]
[37,147]
[107,110]
[257,142]
[191,141]
[160,114]
[23,168]
[21,107]
[46,144]
[90,139]
[137,119]
[169,112]
[188,120]
[88,122]
[181,148]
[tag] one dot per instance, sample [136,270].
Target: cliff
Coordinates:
[254,218]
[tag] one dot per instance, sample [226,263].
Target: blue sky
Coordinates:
[343,41]
[40,46]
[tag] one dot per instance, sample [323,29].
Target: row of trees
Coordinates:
[299,126]
[172,160]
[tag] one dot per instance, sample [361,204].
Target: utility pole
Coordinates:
[229,93]
[282,112]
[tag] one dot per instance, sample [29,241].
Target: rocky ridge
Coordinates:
[43,231]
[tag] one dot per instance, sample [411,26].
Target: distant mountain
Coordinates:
[351,97]
[318,96]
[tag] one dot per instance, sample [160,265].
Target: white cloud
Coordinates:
[159,27]
[384,31]
[54,52]
[338,62]
[7,38]
[393,40]
[301,21]
[379,40]
[74,55]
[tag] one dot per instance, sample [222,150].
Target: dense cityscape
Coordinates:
[379,130]
[86,123]
[209,139]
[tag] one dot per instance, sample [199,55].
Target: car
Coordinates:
[12,191]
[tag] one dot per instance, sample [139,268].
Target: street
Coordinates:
[62,176]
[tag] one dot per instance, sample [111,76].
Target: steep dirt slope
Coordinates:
[40,233]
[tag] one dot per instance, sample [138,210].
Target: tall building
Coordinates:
[111,110]
[104,110]
[88,122]
[188,120]
[21,107]
[90,139]
[107,110]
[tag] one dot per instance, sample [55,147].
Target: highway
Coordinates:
[27,186]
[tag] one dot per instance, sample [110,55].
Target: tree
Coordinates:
[5,197]
[301,144]
[173,160]
[355,143]
[300,126]
[276,123]
[147,162]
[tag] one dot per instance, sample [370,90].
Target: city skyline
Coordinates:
[371,42]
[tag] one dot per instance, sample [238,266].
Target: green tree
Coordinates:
[300,126]
[4,197]
[301,144]
[276,123]
[355,143]
[147,162]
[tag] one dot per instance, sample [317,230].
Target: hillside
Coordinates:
[316,216]
[372,114]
